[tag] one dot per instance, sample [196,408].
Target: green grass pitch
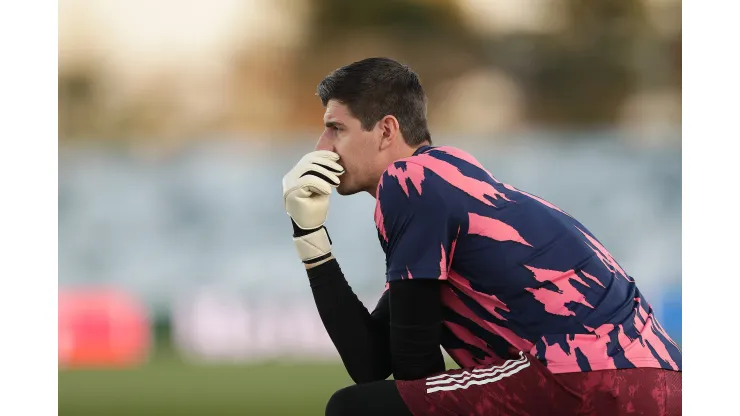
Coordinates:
[177,389]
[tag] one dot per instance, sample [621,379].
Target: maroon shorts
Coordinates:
[525,386]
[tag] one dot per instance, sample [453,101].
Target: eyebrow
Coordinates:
[331,124]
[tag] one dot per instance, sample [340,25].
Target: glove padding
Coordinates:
[306,190]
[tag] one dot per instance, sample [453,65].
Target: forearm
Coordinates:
[415,328]
[361,340]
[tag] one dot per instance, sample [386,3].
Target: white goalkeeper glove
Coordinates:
[306,190]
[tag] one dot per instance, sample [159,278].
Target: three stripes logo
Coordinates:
[477,376]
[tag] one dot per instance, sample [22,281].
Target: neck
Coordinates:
[402,153]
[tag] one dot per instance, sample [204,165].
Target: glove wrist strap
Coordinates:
[312,245]
[300,232]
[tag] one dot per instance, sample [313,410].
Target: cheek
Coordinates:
[356,153]
[348,151]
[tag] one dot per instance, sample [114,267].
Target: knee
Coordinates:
[340,403]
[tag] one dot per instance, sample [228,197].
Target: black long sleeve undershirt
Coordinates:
[415,328]
[400,337]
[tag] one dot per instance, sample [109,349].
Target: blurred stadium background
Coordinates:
[179,288]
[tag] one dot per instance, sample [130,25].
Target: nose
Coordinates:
[324,144]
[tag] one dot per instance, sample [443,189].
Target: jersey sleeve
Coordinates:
[415,224]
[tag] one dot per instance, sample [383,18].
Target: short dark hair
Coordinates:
[375,87]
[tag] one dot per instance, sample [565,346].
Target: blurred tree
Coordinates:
[578,76]
[332,17]
[582,75]
[79,97]
[575,75]
[431,36]
[677,61]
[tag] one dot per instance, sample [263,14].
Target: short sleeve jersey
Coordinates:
[519,273]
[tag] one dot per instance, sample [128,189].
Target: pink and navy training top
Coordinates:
[519,272]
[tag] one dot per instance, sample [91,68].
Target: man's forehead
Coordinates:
[336,111]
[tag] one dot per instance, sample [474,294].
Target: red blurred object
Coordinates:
[102,328]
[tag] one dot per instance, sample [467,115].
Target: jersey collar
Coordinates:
[422,149]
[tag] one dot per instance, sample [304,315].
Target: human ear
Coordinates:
[389,129]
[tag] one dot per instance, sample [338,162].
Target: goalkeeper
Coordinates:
[533,308]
